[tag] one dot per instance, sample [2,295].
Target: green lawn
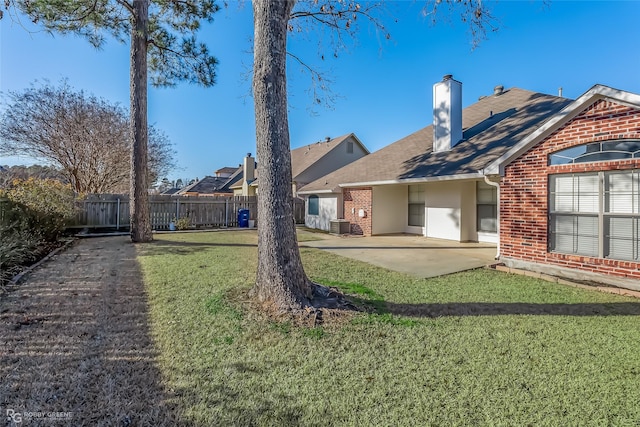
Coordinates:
[476,348]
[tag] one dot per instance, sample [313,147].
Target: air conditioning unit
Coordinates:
[339,226]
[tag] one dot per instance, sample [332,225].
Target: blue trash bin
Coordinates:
[243,218]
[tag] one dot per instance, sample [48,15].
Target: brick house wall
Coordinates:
[354,200]
[524,188]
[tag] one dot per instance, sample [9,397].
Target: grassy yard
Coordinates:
[474,348]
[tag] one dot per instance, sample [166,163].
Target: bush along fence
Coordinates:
[112,211]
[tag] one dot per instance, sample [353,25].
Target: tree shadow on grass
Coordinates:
[237,409]
[162,247]
[418,248]
[495,309]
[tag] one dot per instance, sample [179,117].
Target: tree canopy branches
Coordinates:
[476,13]
[174,53]
[339,23]
[86,137]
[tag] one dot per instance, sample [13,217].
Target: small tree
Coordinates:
[162,41]
[85,137]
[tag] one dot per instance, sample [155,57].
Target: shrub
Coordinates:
[17,248]
[43,206]
[183,223]
[33,214]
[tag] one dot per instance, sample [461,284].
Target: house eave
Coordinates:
[327,191]
[458,177]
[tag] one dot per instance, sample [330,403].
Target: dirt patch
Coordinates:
[75,345]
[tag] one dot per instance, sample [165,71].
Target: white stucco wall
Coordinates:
[330,207]
[450,211]
[389,210]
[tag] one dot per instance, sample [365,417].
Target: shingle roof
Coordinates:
[207,185]
[302,158]
[226,170]
[214,184]
[490,127]
[169,191]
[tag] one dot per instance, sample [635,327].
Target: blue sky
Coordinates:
[384,87]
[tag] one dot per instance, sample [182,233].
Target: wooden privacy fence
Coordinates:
[112,211]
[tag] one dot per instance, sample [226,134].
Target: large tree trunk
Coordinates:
[281,281]
[139,195]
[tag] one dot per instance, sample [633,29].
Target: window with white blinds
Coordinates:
[486,207]
[622,214]
[595,214]
[416,205]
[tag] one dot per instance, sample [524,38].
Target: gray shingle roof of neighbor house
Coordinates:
[304,157]
[169,191]
[226,170]
[491,126]
[213,184]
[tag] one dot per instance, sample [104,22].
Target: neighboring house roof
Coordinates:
[213,184]
[226,171]
[170,191]
[238,184]
[304,157]
[491,126]
[594,94]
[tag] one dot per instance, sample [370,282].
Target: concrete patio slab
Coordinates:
[415,255]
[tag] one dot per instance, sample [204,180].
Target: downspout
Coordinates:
[497,186]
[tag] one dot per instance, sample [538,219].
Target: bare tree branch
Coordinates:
[86,137]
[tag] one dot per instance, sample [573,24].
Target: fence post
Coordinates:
[177,209]
[118,215]
[226,213]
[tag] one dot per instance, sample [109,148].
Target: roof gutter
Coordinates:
[329,191]
[475,175]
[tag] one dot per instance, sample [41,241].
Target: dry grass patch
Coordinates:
[75,339]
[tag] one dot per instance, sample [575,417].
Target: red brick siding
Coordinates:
[523,190]
[354,200]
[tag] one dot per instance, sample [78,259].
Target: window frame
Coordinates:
[315,198]
[493,205]
[600,151]
[420,205]
[604,215]
[349,147]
